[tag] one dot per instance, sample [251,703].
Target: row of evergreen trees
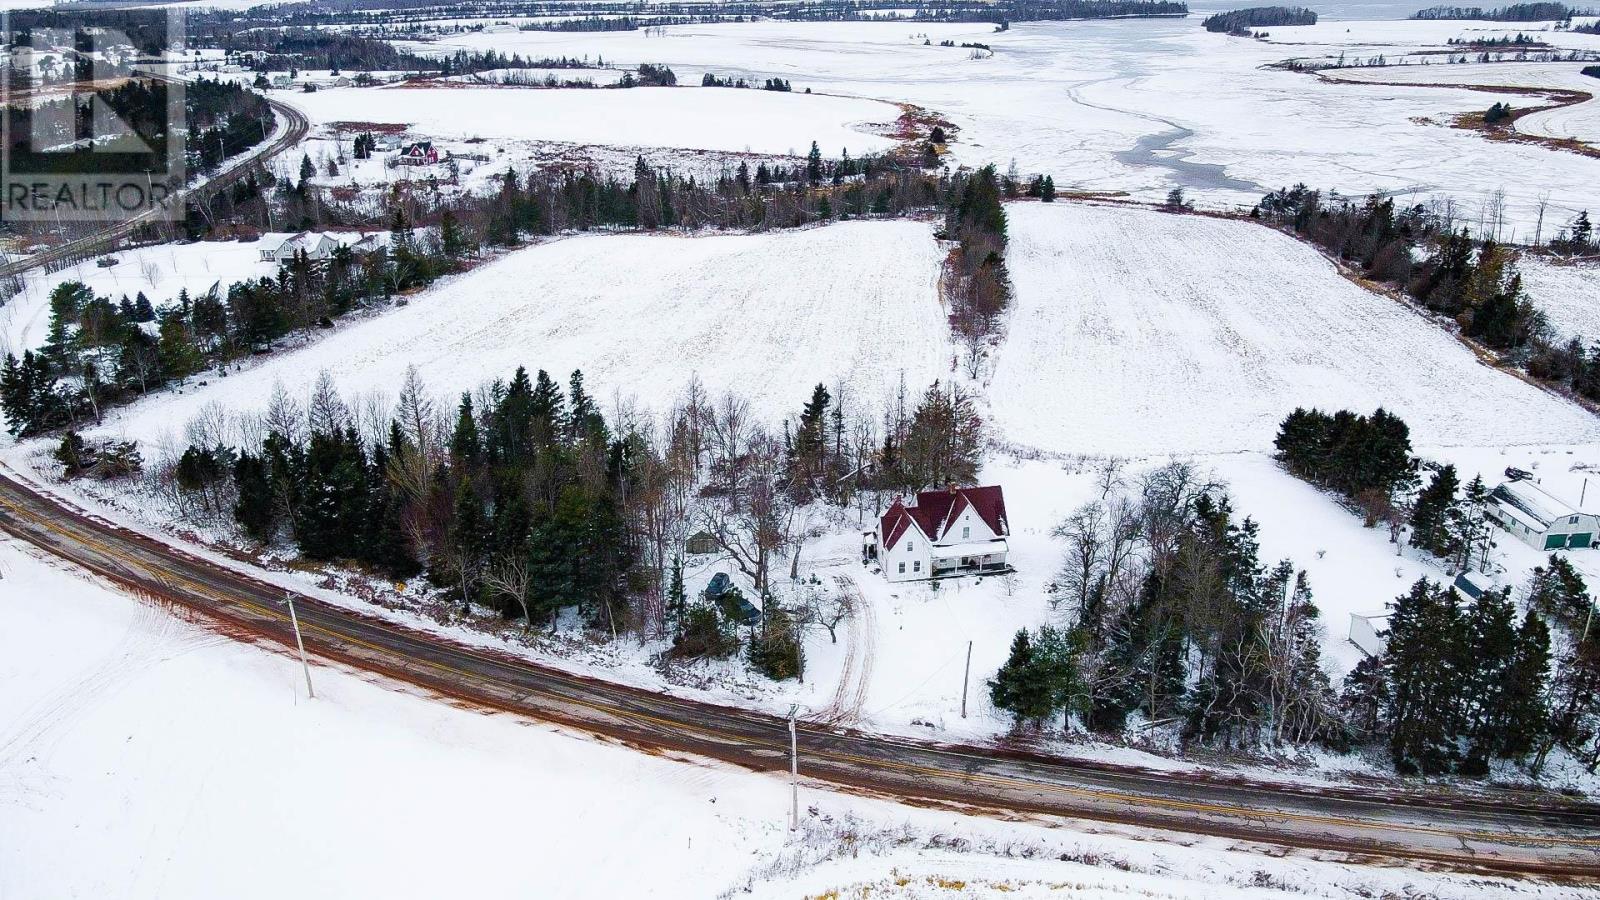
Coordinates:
[977,286]
[1367,460]
[1473,281]
[1360,457]
[224,120]
[1459,684]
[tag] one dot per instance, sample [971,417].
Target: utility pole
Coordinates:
[298,642]
[794,775]
[965,677]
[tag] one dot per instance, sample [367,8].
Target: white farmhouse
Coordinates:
[956,531]
[1541,519]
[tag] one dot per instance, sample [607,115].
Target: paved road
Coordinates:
[1511,833]
[294,129]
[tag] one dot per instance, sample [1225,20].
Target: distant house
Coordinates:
[956,531]
[1541,519]
[314,245]
[421,153]
[319,246]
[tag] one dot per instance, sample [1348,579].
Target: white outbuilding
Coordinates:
[1540,519]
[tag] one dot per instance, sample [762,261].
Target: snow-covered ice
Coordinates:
[1141,105]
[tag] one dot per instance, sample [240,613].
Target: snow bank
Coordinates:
[1138,332]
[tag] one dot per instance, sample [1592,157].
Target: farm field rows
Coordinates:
[640,315]
[1139,333]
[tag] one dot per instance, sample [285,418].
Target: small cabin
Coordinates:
[700,543]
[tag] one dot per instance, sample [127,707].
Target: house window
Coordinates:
[966,532]
[902,568]
[1572,521]
[910,545]
[915,567]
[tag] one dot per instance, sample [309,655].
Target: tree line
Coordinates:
[1472,281]
[1516,12]
[1242,21]
[524,498]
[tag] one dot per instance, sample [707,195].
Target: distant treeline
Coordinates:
[208,27]
[1240,21]
[1517,12]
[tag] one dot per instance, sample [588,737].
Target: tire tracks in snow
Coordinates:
[855,679]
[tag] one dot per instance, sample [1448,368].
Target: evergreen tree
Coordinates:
[677,599]
[1422,704]
[1523,708]
[468,544]
[255,510]
[176,350]
[466,448]
[1431,515]
[1039,678]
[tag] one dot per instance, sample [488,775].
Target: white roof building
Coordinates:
[319,246]
[1541,519]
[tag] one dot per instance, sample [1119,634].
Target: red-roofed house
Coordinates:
[956,531]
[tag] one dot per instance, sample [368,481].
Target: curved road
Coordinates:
[1510,833]
[294,129]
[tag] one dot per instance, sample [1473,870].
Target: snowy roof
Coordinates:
[969,548]
[1533,502]
[935,511]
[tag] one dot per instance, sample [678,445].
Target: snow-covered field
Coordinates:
[1135,332]
[766,316]
[691,118]
[1142,105]
[159,272]
[142,756]
[1569,295]
[1580,121]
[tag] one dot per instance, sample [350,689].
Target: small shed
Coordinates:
[700,543]
[1540,519]
[1473,585]
[1367,634]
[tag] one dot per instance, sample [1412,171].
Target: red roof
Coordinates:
[934,511]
